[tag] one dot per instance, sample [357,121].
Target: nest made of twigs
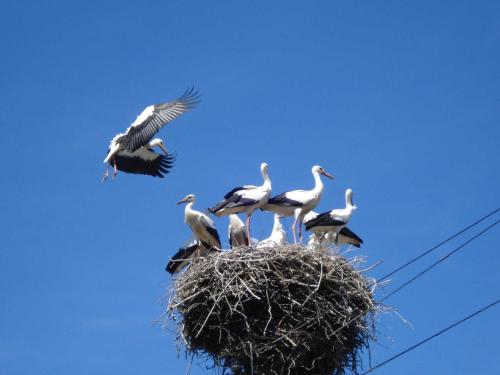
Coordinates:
[275,310]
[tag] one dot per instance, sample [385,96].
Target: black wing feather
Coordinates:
[228,195]
[180,259]
[349,233]
[144,161]
[232,201]
[323,220]
[282,200]
[213,232]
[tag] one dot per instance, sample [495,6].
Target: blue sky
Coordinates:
[397,99]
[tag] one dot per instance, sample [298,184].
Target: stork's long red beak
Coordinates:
[164,149]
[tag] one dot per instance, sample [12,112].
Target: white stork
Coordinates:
[139,135]
[298,203]
[202,226]
[237,232]
[181,259]
[334,220]
[345,235]
[278,235]
[246,199]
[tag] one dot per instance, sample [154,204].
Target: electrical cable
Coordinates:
[431,337]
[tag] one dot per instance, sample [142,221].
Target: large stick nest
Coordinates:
[275,310]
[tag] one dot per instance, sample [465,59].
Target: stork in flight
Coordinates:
[131,151]
[298,203]
[201,225]
[334,220]
[246,199]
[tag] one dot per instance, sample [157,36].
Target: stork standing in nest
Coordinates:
[334,220]
[298,203]
[201,225]
[344,237]
[278,235]
[245,199]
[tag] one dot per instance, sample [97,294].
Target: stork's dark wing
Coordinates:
[239,188]
[153,118]
[144,161]
[283,200]
[234,200]
[211,229]
[182,258]
[350,234]
[323,220]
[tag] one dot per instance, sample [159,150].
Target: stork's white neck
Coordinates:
[267,180]
[349,207]
[235,221]
[318,184]
[277,224]
[188,210]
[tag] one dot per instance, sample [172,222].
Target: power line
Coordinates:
[439,261]
[437,246]
[362,313]
[431,337]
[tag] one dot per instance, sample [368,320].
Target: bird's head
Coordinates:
[348,198]
[157,142]
[264,168]
[187,199]
[320,170]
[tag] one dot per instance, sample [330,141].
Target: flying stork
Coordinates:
[334,220]
[246,199]
[298,203]
[131,151]
[237,232]
[202,226]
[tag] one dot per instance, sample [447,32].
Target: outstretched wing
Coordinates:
[144,161]
[154,117]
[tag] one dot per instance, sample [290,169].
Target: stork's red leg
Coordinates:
[115,172]
[106,174]
[248,229]
[293,230]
